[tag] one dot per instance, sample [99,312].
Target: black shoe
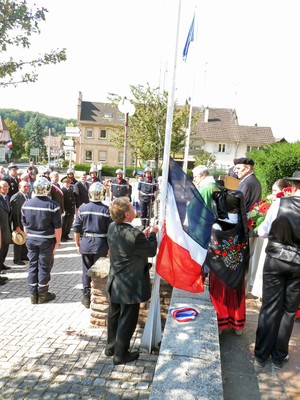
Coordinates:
[19,262]
[109,352]
[34,298]
[63,240]
[25,258]
[45,297]
[258,363]
[3,279]
[86,301]
[128,357]
[280,364]
[5,267]
[2,282]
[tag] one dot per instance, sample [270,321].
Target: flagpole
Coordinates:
[152,335]
[189,129]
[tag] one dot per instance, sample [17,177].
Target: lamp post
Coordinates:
[128,109]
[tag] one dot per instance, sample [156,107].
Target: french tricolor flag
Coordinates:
[186,234]
[9,143]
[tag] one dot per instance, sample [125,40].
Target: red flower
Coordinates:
[287,189]
[230,239]
[279,194]
[217,251]
[224,253]
[231,247]
[238,247]
[264,208]
[250,223]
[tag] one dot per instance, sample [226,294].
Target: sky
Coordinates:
[244,57]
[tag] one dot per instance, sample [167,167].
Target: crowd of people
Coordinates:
[38,211]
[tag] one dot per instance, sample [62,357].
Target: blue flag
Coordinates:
[189,39]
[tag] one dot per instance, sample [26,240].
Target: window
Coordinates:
[88,155]
[250,148]
[102,156]
[102,134]
[108,115]
[89,134]
[222,147]
[120,157]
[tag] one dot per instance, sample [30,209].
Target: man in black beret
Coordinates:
[249,185]
[251,189]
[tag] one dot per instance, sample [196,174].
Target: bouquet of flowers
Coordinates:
[258,211]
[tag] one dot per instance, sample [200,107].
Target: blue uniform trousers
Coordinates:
[88,260]
[41,259]
[67,222]
[145,213]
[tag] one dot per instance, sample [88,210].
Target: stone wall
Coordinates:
[99,299]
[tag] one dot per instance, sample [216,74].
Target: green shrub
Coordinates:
[275,162]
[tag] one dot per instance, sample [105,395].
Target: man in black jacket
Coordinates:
[128,281]
[16,202]
[69,207]
[81,191]
[249,184]
[5,226]
[281,278]
[12,180]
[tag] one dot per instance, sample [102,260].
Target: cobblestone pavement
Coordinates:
[50,351]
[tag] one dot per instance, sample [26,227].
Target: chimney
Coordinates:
[206,113]
[79,107]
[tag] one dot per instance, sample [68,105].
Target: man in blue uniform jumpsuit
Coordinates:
[42,224]
[119,186]
[147,192]
[93,220]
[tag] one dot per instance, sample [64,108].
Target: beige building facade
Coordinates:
[97,123]
[217,131]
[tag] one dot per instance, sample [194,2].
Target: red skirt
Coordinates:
[230,304]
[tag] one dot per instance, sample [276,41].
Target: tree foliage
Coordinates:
[274,162]
[205,158]
[17,137]
[36,132]
[17,24]
[56,124]
[147,125]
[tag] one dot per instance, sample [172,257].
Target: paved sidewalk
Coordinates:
[50,351]
[240,379]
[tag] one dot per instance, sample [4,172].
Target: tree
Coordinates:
[36,131]
[17,138]
[147,125]
[274,162]
[205,158]
[17,23]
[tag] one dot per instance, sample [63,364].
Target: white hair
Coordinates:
[199,170]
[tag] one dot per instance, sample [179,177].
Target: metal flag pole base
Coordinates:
[151,338]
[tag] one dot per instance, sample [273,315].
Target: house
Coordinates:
[217,131]
[97,122]
[5,141]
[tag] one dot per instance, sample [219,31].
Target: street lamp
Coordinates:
[128,109]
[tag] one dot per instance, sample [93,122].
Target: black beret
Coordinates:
[244,160]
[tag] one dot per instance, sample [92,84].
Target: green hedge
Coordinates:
[106,169]
[275,162]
